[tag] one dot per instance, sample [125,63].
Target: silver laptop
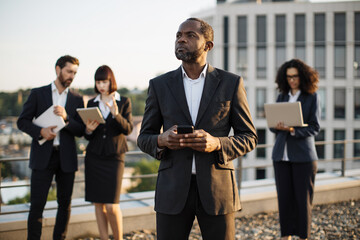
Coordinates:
[289,113]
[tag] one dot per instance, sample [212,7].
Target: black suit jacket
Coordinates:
[223,106]
[301,147]
[40,99]
[109,139]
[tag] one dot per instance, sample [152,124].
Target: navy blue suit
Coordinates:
[47,161]
[301,147]
[295,178]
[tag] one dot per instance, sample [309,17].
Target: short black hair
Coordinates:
[205,29]
[105,73]
[61,62]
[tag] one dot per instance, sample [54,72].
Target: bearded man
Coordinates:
[57,156]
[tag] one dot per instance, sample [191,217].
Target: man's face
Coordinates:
[67,74]
[190,42]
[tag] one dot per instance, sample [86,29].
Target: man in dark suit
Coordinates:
[57,156]
[196,174]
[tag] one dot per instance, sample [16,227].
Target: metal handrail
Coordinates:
[238,169]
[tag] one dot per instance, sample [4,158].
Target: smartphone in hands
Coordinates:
[182,129]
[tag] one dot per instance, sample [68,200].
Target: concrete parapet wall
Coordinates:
[255,198]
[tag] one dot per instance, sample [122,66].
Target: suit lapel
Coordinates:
[48,97]
[176,86]
[211,83]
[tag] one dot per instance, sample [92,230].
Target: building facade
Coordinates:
[254,38]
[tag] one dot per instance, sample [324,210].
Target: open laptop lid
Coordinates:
[289,113]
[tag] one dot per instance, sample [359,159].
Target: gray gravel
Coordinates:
[337,221]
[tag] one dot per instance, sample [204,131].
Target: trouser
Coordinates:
[178,227]
[295,190]
[40,185]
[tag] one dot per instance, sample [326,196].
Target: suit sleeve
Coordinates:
[313,127]
[76,126]
[123,121]
[245,138]
[151,125]
[24,122]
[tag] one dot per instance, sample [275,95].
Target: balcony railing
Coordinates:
[238,170]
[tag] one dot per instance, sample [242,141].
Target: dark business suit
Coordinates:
[46,161]
[223,106]
[295,178]
[105,155]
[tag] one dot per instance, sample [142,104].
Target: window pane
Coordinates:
[242,62]
[356,145]
[340,27]
[242,30]
[322,96]
[300,53]
[226,42]
[300,28]
[339,61]
[320,149]
[357,103]
[320,59]
[260,152]
[261,29]
[339,100]
[339,148]
[319,29]
[280,57]
[260,101]
[261,62]
[260,173]
[357,61]
[280,29]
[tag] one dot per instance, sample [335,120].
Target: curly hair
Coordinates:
[309,77]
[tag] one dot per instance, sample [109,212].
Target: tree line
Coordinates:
[11,103]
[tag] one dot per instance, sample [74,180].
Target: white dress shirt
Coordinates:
[292,98]
[105,110]
[58,100]
[193,91]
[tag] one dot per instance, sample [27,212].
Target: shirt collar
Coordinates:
[53,88]
[116,95]
[202,74]
[297,94]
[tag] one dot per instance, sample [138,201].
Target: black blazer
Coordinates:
[40,99]
[108,140]
[301,147]
[223,106]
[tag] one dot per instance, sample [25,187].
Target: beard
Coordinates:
[64,82]
[189,57]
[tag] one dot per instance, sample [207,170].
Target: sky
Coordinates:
[135,38]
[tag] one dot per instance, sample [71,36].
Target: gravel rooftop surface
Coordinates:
[337,221]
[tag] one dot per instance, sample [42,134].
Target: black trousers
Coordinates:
[39,189]
[178,227]
[295,192]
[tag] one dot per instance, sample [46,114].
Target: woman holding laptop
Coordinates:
[294,154]
[105,153]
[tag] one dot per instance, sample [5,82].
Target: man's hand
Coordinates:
[170,139]
[200,141]
[60,111]
[48,133]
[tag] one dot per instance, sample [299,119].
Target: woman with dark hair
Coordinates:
[294,154]
[105,153]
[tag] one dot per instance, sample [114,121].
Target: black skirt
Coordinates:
[103,178]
